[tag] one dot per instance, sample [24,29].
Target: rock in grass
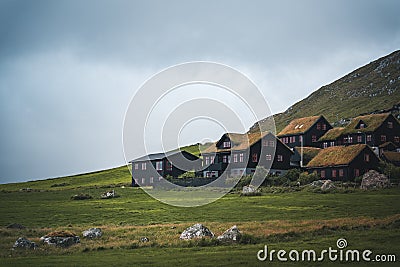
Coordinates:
[373,179]
[92,233]
[61,239]
[15,226]
[328,185]
[324,185]
[22,242]
[144,239]
[231,235]
[109,194]
[196,231]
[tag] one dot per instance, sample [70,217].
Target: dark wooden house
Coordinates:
[303,155]
[304,131]
[391,157]
[343,163]
[373,130]
[149,169]
[238,154]
[331,137]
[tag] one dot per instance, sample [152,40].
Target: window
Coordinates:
[369,138]
[159,166]
[241,157]
[362,126]
[318,126]
[136,166]
[254,157]
[264,143]
[300,138]
[225,159]
[333,173]
[323,174]
[359,139]
[235,158]
[356,172]
[341,173]
[383,138]
[169,166]
[294,139]
[325,144]
[324,127]
[396,139]
[160,178]
[143,180]
[144,166]
[207,160]
[280,158]
[268,157]
[271,143]
[390,125]
[366,157]
[212,158]
[350,139]
[227,144]
[314,138]
[332,143]
[151,180]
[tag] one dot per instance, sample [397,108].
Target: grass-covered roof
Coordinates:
[336,155]
[239,142]
[371,122]
[332,134]
[298,126]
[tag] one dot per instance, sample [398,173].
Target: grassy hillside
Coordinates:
[375,86]
[294,220]
[111,177]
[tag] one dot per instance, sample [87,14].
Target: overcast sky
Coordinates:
[68,69]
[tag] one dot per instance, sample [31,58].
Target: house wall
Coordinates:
[279,154]
[317,130]
[151,175]
[375,139]
[358,165]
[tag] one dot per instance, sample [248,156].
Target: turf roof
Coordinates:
[300,125]
[239,142]
[371,121]
[392,156]
[332,134]
[336,155]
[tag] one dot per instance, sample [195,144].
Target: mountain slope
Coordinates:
[375,86]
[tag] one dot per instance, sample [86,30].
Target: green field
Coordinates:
[292,220]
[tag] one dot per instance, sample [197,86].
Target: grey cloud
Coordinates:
[69,68]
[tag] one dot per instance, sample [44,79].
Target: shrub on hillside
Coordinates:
[306,178]
[390,170]
[293,174]
[188,174]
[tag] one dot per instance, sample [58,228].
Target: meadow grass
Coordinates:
[296,219]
